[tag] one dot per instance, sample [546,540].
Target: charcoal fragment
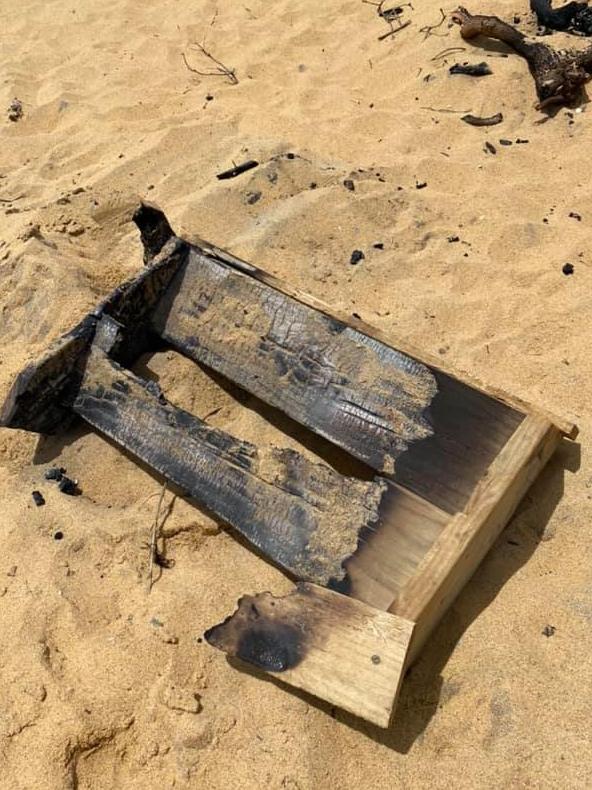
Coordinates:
[68,486]
[54,473]
[38,498]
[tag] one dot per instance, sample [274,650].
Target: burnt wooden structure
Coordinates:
[377,560]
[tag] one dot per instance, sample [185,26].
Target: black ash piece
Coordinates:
[54,473]
[68,486]
[237,170]
[38,498]
[471,69]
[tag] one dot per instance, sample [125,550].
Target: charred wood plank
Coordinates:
[42,394]
[303,515]
[343,651]
[367,398]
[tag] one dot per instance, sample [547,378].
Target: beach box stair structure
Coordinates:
[376,558]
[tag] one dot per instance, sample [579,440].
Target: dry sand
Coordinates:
[103,686]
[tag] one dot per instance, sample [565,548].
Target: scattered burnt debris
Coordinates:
[15,110]
[38,498]
[476,120]
[391,15]
[558,75]
[572,17]
[65,484]
[68,486]
[237,170]
[54,473]
[252,197]
[471,69]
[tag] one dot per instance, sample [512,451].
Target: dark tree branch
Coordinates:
[558,76]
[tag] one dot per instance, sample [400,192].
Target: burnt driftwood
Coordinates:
[573,17]
[471,69]
[477,120]
[558,75]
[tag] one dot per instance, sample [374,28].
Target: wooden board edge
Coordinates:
[568,428]
[336,648]
[464,542]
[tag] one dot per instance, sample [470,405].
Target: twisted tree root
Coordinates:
[558,76]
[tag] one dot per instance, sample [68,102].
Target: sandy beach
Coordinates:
[104,686]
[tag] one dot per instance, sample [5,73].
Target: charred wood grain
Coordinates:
[42,394]
[355,391]
[303,515]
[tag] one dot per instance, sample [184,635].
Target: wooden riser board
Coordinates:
[345,678]
[336,648]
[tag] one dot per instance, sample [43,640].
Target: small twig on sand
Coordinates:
[391,16]
[11,200]
[155,529]
[476,120]
[428,29]
[448,51]
[444,109]
[220,71]
[394,30]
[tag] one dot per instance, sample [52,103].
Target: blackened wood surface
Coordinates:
[353,390]
[41,395]
[304,516]
[469,430]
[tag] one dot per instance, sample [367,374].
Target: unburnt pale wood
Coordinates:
[463,543]
[304,516]
[334,647]
[390,551]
